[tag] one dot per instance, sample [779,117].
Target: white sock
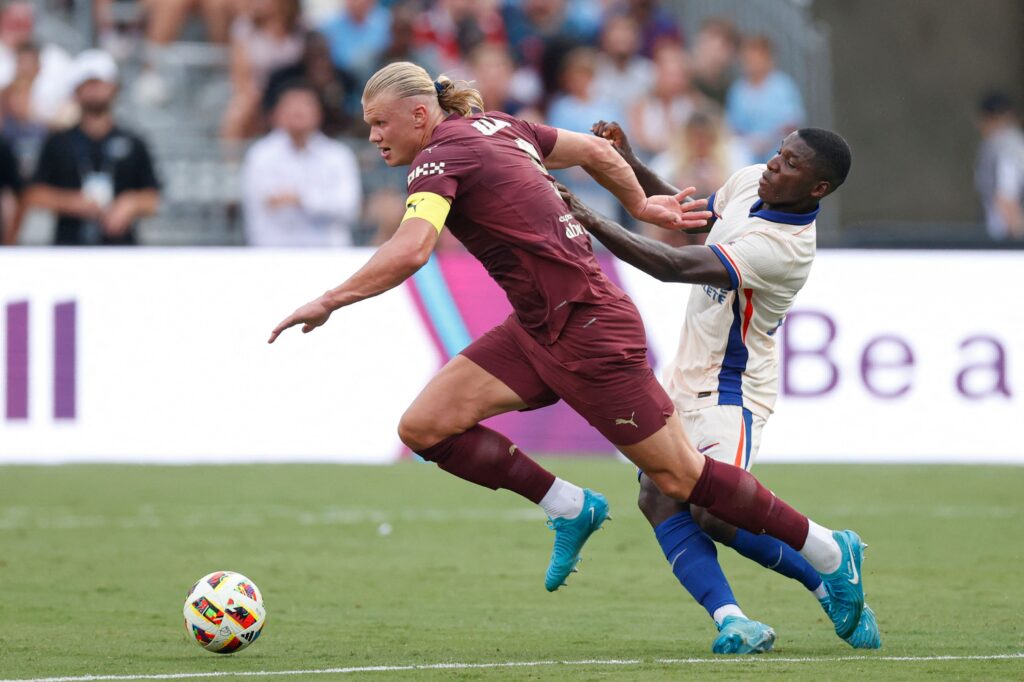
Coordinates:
[728,610]
[820,592]
[821,549]
[563,500]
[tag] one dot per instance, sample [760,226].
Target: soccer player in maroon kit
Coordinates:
[573,335]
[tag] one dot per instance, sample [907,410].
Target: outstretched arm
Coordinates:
[596,156]
[692,264]
[394,262]
[651,183]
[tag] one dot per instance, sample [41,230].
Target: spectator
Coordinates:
[331,84]
[576,108]
[21,126]
[453,28]
[164,22]
[657,27]
[97,177]
[403,46]
[622,74]
[532,25]
[658,118]
[11,186]
[358,35]
[764,105]
[166,18]
[714,58]
[263,39]
[41,70]
[493,72]
[300,188]
[704,156]
[999,171]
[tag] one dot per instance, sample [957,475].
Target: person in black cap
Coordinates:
[97,177]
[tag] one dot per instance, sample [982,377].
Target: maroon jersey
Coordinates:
[506,211]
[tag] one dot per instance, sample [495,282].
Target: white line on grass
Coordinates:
[760,660]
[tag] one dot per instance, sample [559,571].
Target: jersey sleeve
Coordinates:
[545,135]
[443,169]
[757,260]
[720,199]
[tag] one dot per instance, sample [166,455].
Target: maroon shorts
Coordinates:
[598,366]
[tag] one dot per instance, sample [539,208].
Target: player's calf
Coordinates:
[716,528]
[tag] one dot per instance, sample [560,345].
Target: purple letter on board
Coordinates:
[64,387]
[790,352]
[871,362]
[17,360]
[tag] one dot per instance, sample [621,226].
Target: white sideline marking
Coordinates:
[146,516]
[762,660]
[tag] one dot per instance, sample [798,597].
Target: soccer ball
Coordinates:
[224,612]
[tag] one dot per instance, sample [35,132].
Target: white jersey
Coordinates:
[727,352]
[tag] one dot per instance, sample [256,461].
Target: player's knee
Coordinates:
[655,506]
[419,429]
[415,433]
[673,484]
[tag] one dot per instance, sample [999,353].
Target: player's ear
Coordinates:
[822,189]
[419,114]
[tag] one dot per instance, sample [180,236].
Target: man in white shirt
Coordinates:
[999,170]
[300,187]
[724,378]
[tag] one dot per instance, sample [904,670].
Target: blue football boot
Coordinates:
[571,535]
[739,635]
[845,586]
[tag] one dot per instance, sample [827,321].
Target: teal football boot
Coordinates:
[739,635]
[845,585]
[571,535]
[867,635]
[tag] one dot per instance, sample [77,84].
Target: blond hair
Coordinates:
[405,79]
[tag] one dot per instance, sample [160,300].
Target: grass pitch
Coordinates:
[406,566]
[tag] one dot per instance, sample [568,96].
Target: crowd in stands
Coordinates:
[697,104]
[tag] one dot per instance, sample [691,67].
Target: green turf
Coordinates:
[95,562]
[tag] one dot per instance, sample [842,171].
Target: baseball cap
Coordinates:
[91,65]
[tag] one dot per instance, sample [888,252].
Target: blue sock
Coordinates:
[776,555]
[698,568]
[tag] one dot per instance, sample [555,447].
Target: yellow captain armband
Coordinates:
[429,206]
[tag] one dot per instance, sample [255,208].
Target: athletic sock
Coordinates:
[820,592]
[821,549]
[563,500]
[776,555]
[733,495]
[694,560]
[489,459]
[723,612]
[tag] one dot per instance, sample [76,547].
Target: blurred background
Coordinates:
[188,132]
[702,87]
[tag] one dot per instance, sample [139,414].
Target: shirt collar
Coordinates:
[756,211]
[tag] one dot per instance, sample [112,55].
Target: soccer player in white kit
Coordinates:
[724,379]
